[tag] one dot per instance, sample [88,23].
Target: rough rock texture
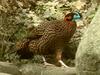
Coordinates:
[5,74]
[9,69]
[88,54]
[34,69]
[40,69]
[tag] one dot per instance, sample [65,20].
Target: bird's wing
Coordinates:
[49,36]
[44,42]
[38,31]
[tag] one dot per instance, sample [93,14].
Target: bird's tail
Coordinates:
[23,49]
[22,44]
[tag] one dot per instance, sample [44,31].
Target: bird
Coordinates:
[49,37]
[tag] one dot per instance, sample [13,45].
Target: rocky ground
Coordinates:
[34,69]
[19,22]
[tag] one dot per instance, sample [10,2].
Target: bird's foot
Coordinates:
[63,64]
[48,64]
[45,63]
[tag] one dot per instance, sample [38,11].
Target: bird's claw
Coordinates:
[63,64]
[47,64]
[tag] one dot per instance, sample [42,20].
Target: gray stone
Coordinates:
[5,74]
[88,53]
[9,68]
[40,69]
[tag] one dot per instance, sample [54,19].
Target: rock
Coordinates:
[88,53]
[5,74]
[78,4]
[9,68]
[40,69]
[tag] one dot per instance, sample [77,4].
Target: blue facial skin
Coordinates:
[77,16]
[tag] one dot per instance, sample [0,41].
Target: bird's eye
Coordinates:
[68,18]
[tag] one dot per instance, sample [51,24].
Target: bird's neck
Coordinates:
[69,22]
[70,26]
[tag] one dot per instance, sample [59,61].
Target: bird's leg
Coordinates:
[45,63]
[58,57]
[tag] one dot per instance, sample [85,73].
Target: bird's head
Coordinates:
[73,16]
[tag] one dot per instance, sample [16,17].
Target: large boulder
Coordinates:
[88,53]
